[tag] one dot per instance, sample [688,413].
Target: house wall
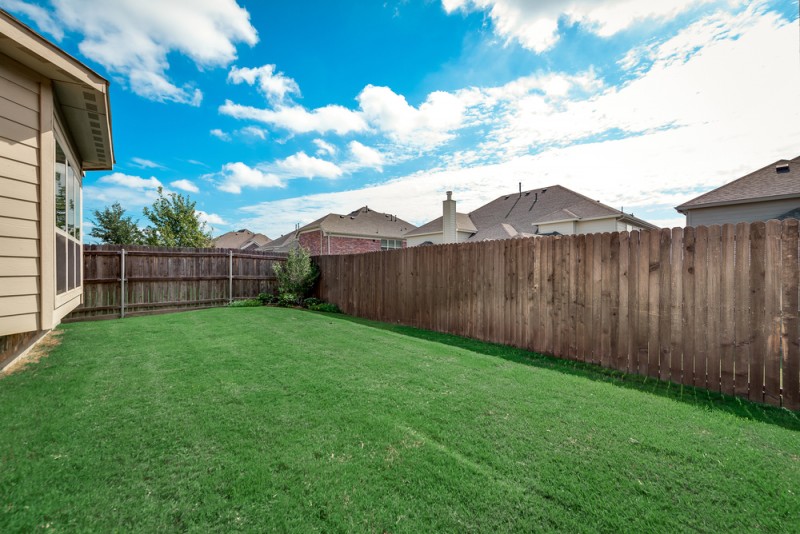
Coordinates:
[317,244]
[754,211]
[20,235]
[563,228]
[597,226]
[436,239]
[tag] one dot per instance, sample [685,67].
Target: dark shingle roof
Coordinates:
[361,222]
[284,243]
[778,179]
[463,224]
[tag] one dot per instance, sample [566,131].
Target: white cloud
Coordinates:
[298,119]
[210,218]
[324,148]
[146,163]
[276,86]
[185,185]
[133,182]
[219,134]
[365,157]
[254,131]
[235,176]
[303,165]
[535,24]
[40,16]
[425,127]
[134,38]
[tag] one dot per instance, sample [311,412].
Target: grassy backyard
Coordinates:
[278,419]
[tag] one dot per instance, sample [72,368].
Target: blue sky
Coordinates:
[270,114]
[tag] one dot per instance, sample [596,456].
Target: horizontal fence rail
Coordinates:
[121,281]
[713,307]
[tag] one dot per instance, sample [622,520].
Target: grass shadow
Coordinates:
[699,397]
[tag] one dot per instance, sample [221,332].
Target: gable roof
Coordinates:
[463,224]
[362,222]
[242,239]
[520,213]
[284,243]
[81,94]
[777,180]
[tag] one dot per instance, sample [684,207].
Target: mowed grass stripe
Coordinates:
[278,419]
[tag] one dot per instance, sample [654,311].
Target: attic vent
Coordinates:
[94,124]
[782,168]
[91,107]
[94,116]
[527,193]
[506,198]
[89,96]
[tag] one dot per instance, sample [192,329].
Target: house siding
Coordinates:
[736,213]
[20,282]
[317,244]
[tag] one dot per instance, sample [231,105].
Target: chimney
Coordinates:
[449,219]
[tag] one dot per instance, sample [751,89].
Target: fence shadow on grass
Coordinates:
[698,397]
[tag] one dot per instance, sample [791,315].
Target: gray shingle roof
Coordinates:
[241,239]
[779,179]
[463,224]
[284,243]
[361,222]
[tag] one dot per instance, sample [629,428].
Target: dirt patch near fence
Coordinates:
[40,350]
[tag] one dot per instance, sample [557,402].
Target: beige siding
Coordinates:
[564,228]
[20,283]
[756,211]
[597,226]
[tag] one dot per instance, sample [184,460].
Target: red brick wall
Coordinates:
[316,244]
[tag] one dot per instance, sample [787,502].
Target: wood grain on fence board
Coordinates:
[757,310]
[790,334]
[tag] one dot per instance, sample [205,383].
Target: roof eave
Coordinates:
[683,207]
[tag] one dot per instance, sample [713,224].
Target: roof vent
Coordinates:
[782,168]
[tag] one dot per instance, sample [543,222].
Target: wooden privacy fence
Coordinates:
[120,281]
[712,307]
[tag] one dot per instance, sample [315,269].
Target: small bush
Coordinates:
[296,275]
[267,298]
[325,307]
[311,301]
[247,303]
[286,300]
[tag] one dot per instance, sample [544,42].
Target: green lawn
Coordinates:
[259,419]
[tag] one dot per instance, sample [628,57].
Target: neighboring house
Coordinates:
[553,210]
[282,245]
[769,193]
[55,123]
[242,239]
[363,230]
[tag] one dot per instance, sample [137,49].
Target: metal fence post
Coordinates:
[122,285]
[230,276]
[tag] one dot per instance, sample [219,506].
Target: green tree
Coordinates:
[175,223]
[296,275]
[113,228]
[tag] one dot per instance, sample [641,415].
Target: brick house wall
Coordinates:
[316,244]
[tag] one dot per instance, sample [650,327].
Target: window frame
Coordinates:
[63,141]
[395,244]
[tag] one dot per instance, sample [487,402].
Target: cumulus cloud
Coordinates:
[219,134]
[363,156]
[40,16]
[254,132]
[297,119]
[276,86]
[210,218]
[535,24]
[130,191]
[185,185]
[305,166]
[324,148]
[134,38]
[133,182]
[235,176]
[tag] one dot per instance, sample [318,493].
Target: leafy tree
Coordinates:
[296,275]
[113,228]
[175,223]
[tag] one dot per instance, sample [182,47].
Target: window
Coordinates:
[389,244]
[68,222]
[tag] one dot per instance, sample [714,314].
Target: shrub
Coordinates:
[286,300]
[267,298]
[247,303]
[311,301]
[296,275]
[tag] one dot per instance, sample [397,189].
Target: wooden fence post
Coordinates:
[230,276]
[122,284]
